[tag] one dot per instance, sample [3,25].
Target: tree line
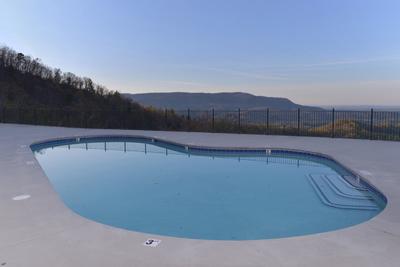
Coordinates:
[27,84]
[25,64]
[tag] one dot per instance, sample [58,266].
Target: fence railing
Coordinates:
[371,124]
[376,125]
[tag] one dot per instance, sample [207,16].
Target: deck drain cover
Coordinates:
[31,162]
[152,243]
[21,197]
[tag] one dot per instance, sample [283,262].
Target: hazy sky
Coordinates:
[311,51]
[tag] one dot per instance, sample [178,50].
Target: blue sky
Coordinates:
[311,51]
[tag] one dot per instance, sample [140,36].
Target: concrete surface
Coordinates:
[42,231]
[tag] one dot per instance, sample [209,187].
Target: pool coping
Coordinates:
[42,231]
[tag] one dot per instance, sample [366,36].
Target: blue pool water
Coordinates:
[158,188]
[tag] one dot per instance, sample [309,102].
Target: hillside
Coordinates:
[219,101]
[28,89]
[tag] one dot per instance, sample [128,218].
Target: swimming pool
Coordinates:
[158,187]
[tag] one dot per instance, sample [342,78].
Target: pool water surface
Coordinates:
[158,188]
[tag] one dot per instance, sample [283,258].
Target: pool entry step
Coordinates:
[336,191]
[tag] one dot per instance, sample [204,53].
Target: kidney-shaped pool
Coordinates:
[158,187]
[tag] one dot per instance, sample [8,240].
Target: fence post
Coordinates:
[239,119]
[298,121]
[166,118]
[82,124]
[188,120]
[333,123]
[3,115]
[213,119]
[87,121]
[267,120]
[68,122]
[371,126]
[19,115]
[35,117]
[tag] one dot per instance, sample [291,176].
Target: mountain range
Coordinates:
[218,101]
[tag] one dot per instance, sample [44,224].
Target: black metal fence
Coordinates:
[376,125]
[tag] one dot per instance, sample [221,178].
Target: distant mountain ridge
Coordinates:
[219,101]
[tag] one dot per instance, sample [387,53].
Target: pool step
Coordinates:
[343,188]
[336,193]
[347,181]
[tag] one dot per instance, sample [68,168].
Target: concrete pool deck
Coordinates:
[42,231]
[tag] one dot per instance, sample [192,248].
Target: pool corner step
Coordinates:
[328,194]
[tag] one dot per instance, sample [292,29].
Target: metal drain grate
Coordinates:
[152,243]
